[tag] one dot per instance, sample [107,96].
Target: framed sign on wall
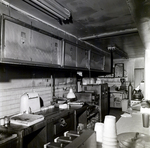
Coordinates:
[119,70]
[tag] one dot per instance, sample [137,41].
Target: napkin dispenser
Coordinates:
[30,102]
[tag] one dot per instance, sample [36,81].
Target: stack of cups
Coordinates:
[109,132]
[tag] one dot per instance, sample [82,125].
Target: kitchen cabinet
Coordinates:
[8,140]
[102,91]
[58,124]
[97,61]
[55,123]
[83,58]
[69,55]
[107,63]
[25,44]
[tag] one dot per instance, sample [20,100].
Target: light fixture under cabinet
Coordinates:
[53,9]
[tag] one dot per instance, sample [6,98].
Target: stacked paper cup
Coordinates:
[109,132]
[99,131]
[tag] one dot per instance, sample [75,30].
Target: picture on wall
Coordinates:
[119,70]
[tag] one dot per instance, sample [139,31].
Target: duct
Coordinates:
[140,11]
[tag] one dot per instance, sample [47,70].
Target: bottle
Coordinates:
[130,90]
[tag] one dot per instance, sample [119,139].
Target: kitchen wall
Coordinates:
[17,80]
[129,66]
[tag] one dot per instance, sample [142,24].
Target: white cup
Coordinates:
[99,131]
[110,127]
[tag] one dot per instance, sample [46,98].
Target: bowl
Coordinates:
[128,140]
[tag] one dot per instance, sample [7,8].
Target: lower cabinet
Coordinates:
[35,139]
[35,136]
[56,126]
[11,143]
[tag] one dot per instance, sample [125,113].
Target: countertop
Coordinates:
[132,124]
[23,131]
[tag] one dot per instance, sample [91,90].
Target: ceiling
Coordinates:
[103,23]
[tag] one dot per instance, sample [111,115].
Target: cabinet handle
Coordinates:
[63,122]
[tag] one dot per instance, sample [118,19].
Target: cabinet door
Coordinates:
[82,58]
[108,64]
[25,45]
[97,61]
[69,55]
[58,124]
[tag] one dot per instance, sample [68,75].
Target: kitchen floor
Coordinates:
[116,112]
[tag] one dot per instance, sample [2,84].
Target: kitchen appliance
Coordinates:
[88,97]
[92,112]
[30,103]
[101,90]
[137,95]
[123,84]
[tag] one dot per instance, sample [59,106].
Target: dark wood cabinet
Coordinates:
[57,125]
[56,122]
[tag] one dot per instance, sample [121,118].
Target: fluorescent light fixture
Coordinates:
[53,9]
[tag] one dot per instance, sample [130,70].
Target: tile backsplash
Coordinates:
[17,80]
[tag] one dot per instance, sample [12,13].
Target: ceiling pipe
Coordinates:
[121,32]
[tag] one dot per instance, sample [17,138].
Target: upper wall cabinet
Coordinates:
[69,55]
[22,43]
[97,61]
[108,63]
[83,58]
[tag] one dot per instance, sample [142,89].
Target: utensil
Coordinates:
[135,138]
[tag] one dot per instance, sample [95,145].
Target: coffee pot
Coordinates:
[137,94]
